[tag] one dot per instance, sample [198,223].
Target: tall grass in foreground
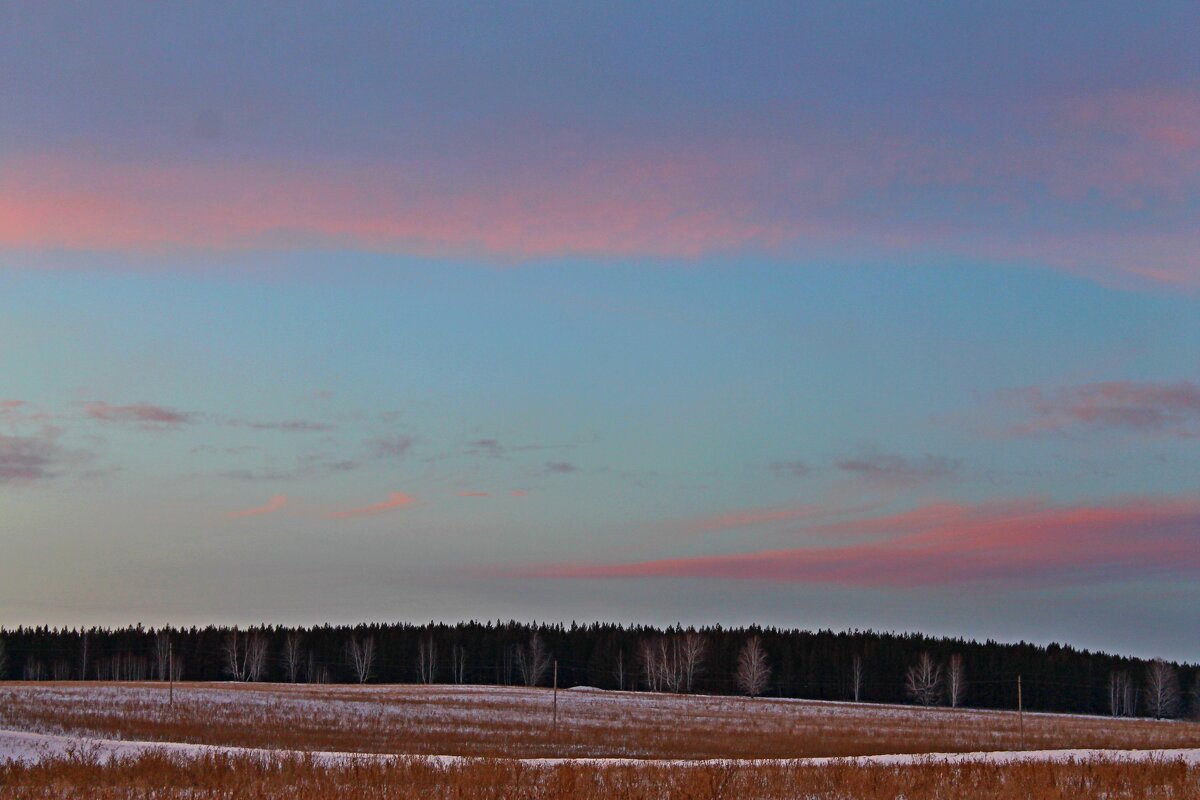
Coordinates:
[164,777]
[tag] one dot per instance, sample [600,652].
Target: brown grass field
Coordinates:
[494,725]
[219,776]
[512,722]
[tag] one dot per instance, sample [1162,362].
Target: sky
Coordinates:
[854,315]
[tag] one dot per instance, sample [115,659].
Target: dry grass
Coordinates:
[509,722]
[158,776]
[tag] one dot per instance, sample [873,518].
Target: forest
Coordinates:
[865,666]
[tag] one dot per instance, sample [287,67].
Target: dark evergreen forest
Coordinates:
[805,664]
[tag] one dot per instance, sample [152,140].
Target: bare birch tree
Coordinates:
[292,659]
[458,664]
[234,656]
[1118,693]
[753,671]
[619,670]
[315,671]
[427,659]
[856,678]
[361,653]
[1195,696]
[256,655]
[1162,689]
[670,664]
[956,681]
[532,662]
[648,658]
[83,657]
[923,681]
[506,667]
[693,651]
[162,655]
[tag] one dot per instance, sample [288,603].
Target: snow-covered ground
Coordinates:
[106,720]
[33,747]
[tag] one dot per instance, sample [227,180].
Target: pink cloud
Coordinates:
[395,500]
[945,544]
[11,403]
[981,193]
[618,208]
[519,493]
[473,494]
[274,504]
[138,413]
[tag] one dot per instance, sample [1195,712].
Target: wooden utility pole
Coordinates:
[1021,712]
[170,673]
[556,694]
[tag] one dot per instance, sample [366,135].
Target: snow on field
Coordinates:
[48,719]
[30,747]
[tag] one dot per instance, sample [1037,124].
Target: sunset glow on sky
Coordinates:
[810,314]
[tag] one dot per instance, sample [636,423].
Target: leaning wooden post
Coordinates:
[1021,712]
[170,673]
[556,694]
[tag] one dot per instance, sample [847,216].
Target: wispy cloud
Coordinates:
[141,414]
[285,426]
[395,500]
[474,494]
[560,468]
[1023,543]
[485,447]
[1168,409]
[274,504]
[790,469]
[306,466]
[26,459]
[892,469]
[149,415]
[386,447]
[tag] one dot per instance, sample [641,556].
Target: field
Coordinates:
[226,740]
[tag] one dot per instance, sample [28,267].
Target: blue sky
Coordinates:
[837,316]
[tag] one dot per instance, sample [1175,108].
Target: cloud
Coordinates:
[307,466]
[1030,186]
[142,414]
[898,470]
[148,415]
[26,459]
[1022,543]
[390,446]
[395,500]
[1167,409]
[473,494]
[485,447]
[9,404]
[274,504]
[519,493]
[560,468]
[790,469]
[285,426]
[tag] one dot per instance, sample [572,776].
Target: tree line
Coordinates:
[855,665]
